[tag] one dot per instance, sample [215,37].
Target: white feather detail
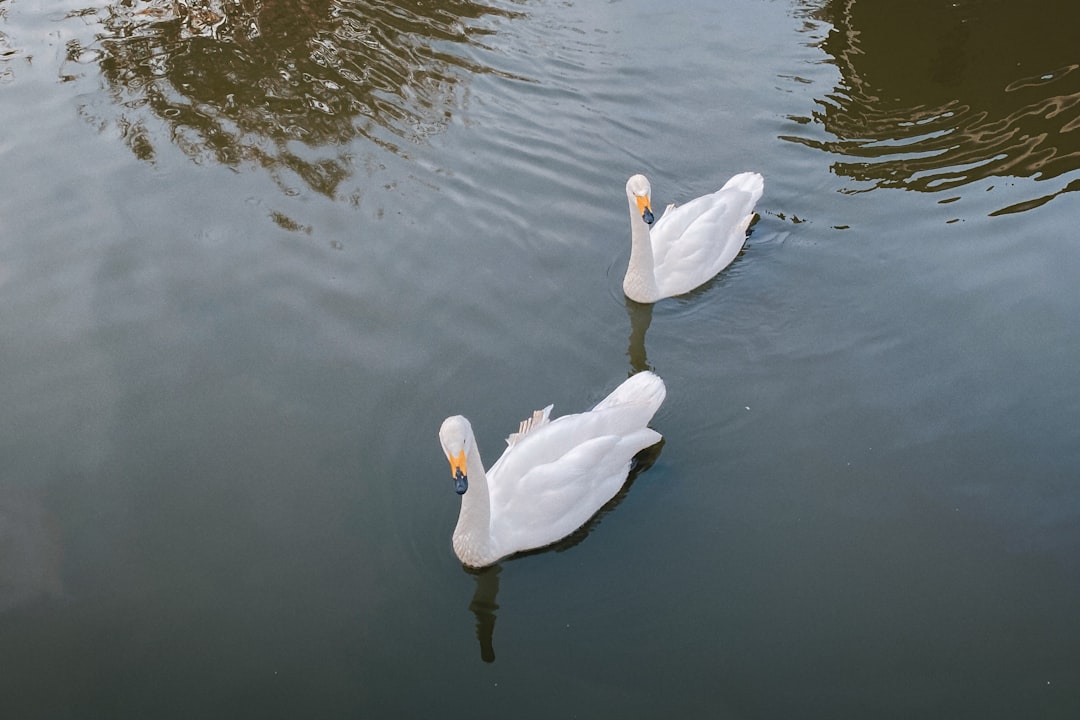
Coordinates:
[539,418]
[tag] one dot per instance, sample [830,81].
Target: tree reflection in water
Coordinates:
[285,84]
[937,95]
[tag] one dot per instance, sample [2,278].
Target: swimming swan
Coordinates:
[690,243]
[553,476]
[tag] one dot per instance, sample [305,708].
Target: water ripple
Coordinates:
[235,82]
[934,112]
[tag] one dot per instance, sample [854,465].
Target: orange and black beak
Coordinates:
[644,209]
[458,472]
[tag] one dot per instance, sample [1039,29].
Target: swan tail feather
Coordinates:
[643,388]
[749,182]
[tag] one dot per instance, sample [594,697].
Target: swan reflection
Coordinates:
[483,606]
[484,603]
[640,320]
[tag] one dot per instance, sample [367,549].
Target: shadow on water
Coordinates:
[484,600]
[934,96]
[282,84]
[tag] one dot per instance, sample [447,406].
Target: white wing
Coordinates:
[693,242]
[555,499]
[553,478]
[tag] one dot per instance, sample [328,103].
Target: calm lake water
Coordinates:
[252,254]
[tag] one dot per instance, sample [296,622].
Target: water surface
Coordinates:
[252,254]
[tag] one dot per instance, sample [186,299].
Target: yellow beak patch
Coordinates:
[643,204]
[457,464]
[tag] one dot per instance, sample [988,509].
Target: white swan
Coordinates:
[690,243]
[554,475]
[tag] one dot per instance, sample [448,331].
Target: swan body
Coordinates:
[553,476]
[689,244]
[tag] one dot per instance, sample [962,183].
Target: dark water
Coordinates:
[252,253]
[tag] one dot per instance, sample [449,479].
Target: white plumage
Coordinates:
[554,474]
[690,243]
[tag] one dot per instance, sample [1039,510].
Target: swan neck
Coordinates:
[472,536]
[640,281]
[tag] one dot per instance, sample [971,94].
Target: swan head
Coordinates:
[456,437]
[639,192]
